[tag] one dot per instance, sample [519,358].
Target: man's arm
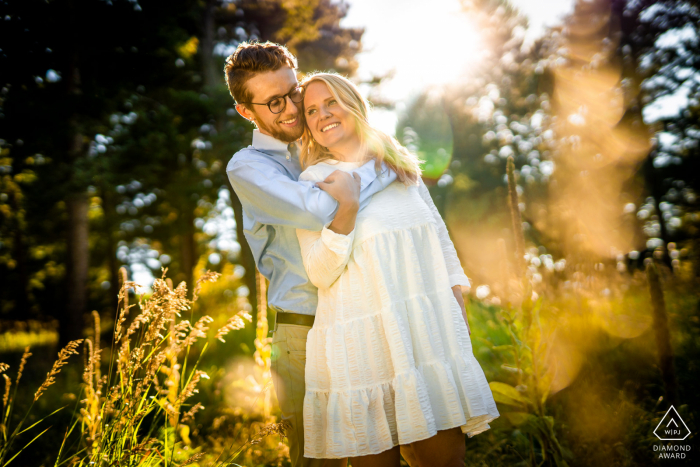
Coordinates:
[353,193]
[372,182]
[274,198]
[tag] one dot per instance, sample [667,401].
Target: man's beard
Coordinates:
[288,136]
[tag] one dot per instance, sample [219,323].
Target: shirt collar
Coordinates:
[270,144]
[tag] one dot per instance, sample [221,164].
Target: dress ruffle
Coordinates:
[425,396]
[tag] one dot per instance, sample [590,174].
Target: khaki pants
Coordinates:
[289,348]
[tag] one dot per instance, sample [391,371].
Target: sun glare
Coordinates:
[449,57]
[428,45]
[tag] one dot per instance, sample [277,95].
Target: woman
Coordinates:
[389,359]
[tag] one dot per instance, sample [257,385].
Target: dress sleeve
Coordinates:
[454,268]
[311,174]
[326,253]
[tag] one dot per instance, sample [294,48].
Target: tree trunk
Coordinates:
[77,260]
[77,267]
[211,77]
[656,190]
[662,334]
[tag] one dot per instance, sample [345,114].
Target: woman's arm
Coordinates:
[271,197]
[326,253]
[454,268]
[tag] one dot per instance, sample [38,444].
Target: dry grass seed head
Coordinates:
[189,415]
[198,330]
[6,396]
[234,323]
[191,389]
[91,375]
[63,355]
[271,429]
[193,459]
[96,342]
[209,276]
[23,363]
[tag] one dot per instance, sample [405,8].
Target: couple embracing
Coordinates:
[374,357]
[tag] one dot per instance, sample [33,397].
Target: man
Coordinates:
[262,80]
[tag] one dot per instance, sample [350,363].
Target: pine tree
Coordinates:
[660,47]
[500,109]
[129,159]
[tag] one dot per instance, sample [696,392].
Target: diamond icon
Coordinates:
[672,427]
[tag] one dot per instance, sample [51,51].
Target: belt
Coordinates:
[294,318]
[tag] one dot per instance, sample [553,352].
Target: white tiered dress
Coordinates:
[389,359]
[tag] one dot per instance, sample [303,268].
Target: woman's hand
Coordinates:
[457,291]
[345,189]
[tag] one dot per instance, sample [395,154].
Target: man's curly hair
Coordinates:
[250,59]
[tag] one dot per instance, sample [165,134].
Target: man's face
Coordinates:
[286,126]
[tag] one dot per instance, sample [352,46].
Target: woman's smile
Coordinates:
[330,124]
[330,127]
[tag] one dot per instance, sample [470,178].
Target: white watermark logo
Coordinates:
[672,427]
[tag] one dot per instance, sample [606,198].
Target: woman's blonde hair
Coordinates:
[376,143]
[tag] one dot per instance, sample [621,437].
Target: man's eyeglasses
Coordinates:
[278,104]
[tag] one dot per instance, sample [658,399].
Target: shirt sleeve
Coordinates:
[371,181]
[376,181]
[271,197]
[454,268]
[324,254]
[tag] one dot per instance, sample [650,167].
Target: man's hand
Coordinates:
[457,291]
[345,189]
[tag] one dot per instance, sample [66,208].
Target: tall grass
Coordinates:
[9,434]
[531,339]
[138,410]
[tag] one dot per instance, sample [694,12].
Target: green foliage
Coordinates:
[310,28]
[661,58]
[145,134]
[425,130]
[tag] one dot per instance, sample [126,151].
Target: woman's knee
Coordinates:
[389,458]
[446,449]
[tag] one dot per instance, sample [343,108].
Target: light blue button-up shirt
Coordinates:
[275,204]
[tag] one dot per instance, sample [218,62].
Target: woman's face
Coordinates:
[330,124]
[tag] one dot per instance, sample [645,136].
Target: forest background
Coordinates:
[566,167]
